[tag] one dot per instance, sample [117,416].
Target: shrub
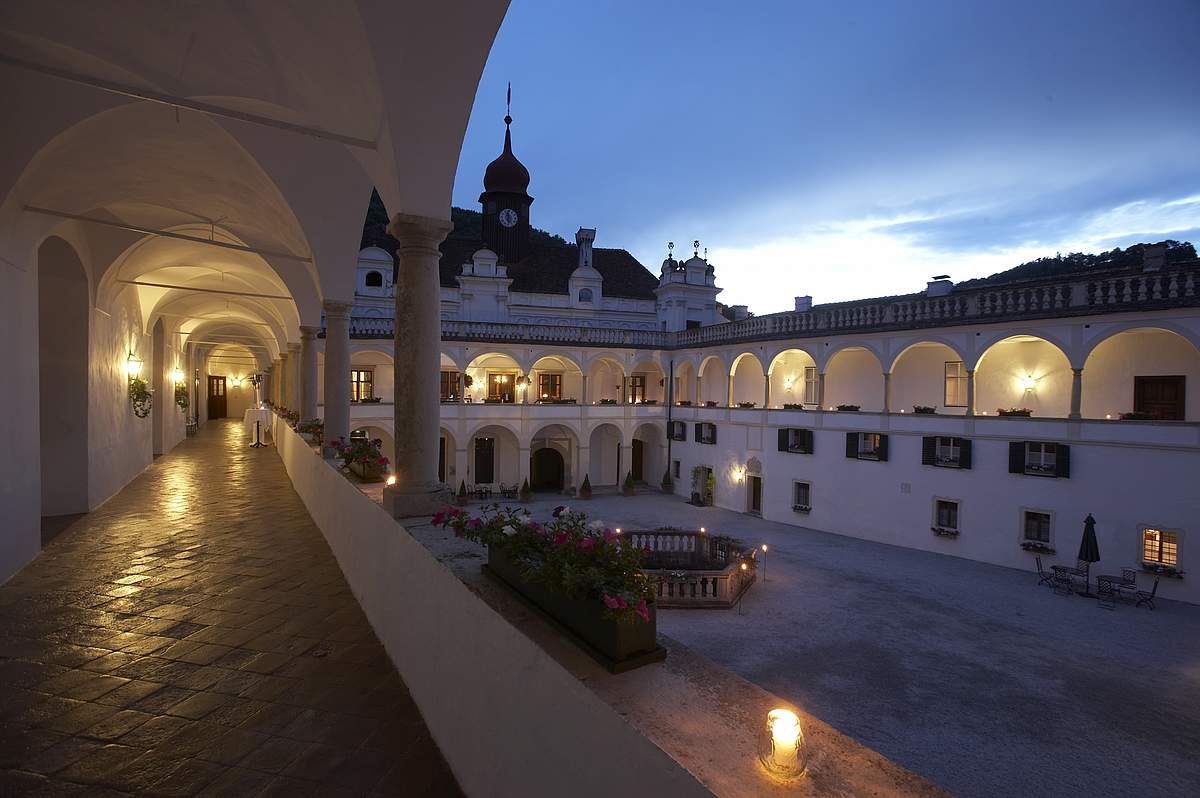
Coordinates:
[585,489]
[627,486]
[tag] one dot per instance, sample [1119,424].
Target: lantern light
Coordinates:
[177,376]
[391,480]
[781,745]
[133,366]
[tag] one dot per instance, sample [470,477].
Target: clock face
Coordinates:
[508,217]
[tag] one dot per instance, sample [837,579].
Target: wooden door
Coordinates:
[637,460]
[756,494]
[485,461]
[1161,397]
[216,397]
[442,459]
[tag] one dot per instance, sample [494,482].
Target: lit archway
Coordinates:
[793,378]
[604,455]
[929,374]
[1023,371]
[854,376]
[1146,370]
[747,380]
[553,450]
[714,382]
[606,381]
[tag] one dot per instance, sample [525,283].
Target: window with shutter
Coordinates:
[1016,457]
[1063,464]
[964,453]
[928,450]
[784,438]
[881,452]
[852,445]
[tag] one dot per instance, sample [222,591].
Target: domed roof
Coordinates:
[506,174]
[669,265]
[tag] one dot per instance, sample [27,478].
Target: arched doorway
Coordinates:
[62,379]
[546,470]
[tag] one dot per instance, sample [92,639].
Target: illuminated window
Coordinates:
[637,388]
[361,384]
[1159,547]
[947,451]
[1040,458]
[869,445]
[956,384]
[449,386]
[810,385]
[549,386]
[585,296]
[1037,526]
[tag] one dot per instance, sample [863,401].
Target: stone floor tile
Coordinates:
[232,746]
[131,692]
[18,743]
[97,766]
[116,725]
[155,731]
[58,756]
[198,705]
[237,783]
[274,755]
[160,701]
[79,718]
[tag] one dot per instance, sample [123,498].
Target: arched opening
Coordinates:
[1024,371]
[793,379]
[747,380]
[372,377]
[585,296]
[854,376]
[685,382]
[450,383]
[714,383]
[929,374]
[554,379]
[604,455]
[374,280]
[63,348]
[552,451]
[606,382]
[649,454]
[1148,371]
[493,456]
[494,379]
[647,384]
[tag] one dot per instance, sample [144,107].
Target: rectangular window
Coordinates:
[869,445]
[675,469]
[1037,526]
[678,431]
[810,385]
[361,384]
[956,384]
[549,386]
[637,388]
[449,389]
[796,441]
[501,387]
[945,514]
[706,433]
[801,496]
[1159,547]
[1041,458]
[947,451]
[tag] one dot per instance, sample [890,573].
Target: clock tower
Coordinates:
[505,200]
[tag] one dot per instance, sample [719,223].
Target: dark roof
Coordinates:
[506,174]
[547,268]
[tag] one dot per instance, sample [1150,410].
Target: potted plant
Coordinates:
[924,410]
[627,485]
[945,532]
[792,406]
[468,380]
[1159,569]
[1014,411]
[575,571]
[526,491]
[181,396]
[362,456]
[745,404]
[585,489]
[313,430]
[710,404]
[684,403]
[848,408]
[668,484]
[801,508]
[1037,546]
[140,397]
[1135,415]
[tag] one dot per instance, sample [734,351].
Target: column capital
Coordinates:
[308,333]
[419,234]
[1078,372]
[293,348]
[337,310]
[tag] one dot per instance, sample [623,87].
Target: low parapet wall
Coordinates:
[517,710]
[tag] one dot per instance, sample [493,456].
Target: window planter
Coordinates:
[1037,547]
[710,404]
[649,401]
[608,401]
[923,410]
[618,646]
[1135,416]
[746,404]
[801,508]
[1162,570]
[792,406]
[370,472]
[1024,412]
[374,400]
[849,408]
[945,532]
[684,403]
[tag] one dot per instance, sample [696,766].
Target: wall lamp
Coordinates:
[133,366]
[1029,383]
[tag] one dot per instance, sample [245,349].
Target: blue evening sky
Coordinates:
[849,149]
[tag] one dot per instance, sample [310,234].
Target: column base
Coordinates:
[412,502]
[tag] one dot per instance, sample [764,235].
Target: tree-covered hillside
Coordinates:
[1129,257]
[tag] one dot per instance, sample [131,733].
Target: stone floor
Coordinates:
[194,636]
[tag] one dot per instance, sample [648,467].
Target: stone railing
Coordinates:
[692,569]
[1111,291]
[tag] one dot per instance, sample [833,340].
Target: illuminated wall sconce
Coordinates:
[177,376]
[703,530]
[236,381]
[739,473]
[788,382]
[141,397]
[133,366]
[1028,383]
[781,745]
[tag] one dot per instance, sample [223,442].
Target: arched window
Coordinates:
[374,280]
[585,296]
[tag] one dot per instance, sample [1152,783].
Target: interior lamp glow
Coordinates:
[133,366]
[177,376]
[781,745]
[1028,382]
[391,480]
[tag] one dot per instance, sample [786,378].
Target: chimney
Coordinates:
[1154,257]
[584,238]
[940,285]
[739,312]
[803,304]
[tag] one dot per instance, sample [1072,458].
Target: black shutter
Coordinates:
[1016,457]
[883,447]
[783,440]
[806,440]
[964,453]
[699,427]
[1062,461]
[852,445]
[714,433]
[929,451]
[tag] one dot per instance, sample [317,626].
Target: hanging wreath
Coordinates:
[181,396]
[140,396]
[468,380]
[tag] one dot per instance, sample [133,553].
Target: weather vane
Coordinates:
[670,248]
[696,247]
[508,105]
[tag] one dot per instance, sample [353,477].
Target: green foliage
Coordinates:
[1128,258]
[667,482]
[627,485]
[181,396]
[526,491]
[140,397]
[586,487]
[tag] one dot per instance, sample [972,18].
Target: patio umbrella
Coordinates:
[1089,549]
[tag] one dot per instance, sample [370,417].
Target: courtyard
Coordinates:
[966,673]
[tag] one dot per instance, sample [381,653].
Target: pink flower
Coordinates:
[614,602]
[560,539]
[587,544]
[535,526]
[558,511]
[609,536]
[439,518]
[474,523]
[643,611]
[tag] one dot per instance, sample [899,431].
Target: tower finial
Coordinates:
[508,105]
[670,248]
[696,247]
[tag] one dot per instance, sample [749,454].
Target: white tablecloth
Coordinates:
[262,416]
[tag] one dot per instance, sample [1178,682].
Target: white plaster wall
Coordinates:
[550,737]
[788,370]
[749,383]
[654,391]
[604,381]
[238,398]
[919,378]
[714,385]
[998,378]
[1109,371]
[20,481]
[892,502]
[854,377]
[603,448]
[507,464]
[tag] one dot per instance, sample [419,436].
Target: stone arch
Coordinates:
[555,374]
[685,381]
[713,379]
[747,380]
[854,376]
[919,377]
[494,373]
[606,380]
[493,456]
[654,379]
[1163,362]
[649,445]
[605,444]
[1024,370]
[553,450]
[792,375]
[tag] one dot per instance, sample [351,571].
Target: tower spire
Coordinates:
[508,106]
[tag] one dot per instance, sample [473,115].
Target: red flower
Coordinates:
[439,518]
[609,536]
[560,538]
[614,602]
[587,544]
[474,523]
[643,611]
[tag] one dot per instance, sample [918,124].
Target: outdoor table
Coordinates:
[263,417]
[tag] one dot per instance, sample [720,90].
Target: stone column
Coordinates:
[583,399]
[276,373]
[308,372]
[523,465]
[971,392]
[699,399]
[821,390]
[461,389]
[767,392]
[337,375]
[417,361]
[887,392]
[1076,393]
[294,380]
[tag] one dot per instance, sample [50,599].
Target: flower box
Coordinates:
[943,531]
[1037,548]
[745,405]
[1136,416]
[848,408]
[369,472]
[649,401]
[608,401]
[617,645]
[710,404]
[1162,570]
[924,410]
[792,406]
[1024,412]
[801,508]
[684,403]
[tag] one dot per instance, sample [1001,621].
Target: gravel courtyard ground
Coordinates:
[966,673]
